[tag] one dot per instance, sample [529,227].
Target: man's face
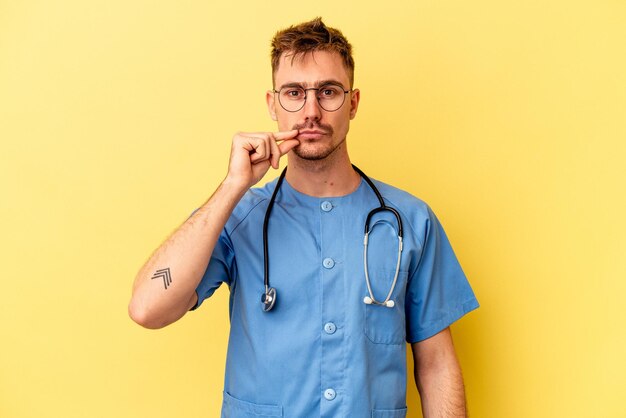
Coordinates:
[321,132]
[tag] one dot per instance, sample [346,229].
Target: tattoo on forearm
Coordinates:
[165,273]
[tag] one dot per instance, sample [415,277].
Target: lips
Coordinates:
[310,134]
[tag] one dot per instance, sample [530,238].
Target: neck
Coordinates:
[330,177]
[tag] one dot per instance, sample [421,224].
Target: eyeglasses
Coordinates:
[329,96]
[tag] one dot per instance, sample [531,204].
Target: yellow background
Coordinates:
[115,123]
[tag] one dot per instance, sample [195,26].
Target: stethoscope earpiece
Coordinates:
[369,301]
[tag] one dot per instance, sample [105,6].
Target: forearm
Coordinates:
[158,302]
[441,390]
[438,377]
[180,262]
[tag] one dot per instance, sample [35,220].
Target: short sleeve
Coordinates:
[219,269]
[438,293]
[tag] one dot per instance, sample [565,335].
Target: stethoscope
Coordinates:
[268,299]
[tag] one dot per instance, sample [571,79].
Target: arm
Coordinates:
[184,256]
[438,377]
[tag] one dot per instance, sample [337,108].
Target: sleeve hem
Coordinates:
[452,316]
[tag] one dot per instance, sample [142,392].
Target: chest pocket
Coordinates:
[237,408]
[384,325]
[389,413]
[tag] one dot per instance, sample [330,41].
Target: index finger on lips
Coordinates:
[278,136]
[283,135]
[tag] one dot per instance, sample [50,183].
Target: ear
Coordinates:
[271,104]
[355,97]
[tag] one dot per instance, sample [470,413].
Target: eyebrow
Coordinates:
[317,84]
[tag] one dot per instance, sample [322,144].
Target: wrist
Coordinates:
[233,185]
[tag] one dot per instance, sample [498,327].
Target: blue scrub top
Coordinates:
[321,351]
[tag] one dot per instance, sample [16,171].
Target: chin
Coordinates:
[312,153]
[316,151]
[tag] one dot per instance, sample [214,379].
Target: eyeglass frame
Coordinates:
[316,96]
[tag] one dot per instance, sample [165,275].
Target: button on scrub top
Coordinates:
[321,351]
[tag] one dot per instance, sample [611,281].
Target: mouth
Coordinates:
[310,134]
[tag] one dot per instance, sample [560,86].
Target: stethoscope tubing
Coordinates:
[266,267]
[269,297]
[382,206]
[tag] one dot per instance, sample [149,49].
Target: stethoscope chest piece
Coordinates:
[268,299]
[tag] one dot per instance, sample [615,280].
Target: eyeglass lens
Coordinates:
[330,97]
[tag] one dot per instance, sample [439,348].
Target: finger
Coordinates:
[278,136]
[269,141]
[248,142]
[283,135]
[287,145]
[259,151]
[275,153]
[272,152]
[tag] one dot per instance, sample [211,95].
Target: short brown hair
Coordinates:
[308,37]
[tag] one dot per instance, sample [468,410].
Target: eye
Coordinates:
[293,93]
[329,92]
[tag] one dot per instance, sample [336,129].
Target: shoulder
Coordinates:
[415,212]
[402,200]
[253,203]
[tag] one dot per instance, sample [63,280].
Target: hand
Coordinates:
[252,153]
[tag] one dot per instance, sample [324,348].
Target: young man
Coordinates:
[318,320]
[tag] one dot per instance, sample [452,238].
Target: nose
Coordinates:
[312,109]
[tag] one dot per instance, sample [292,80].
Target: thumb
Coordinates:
[287,145]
